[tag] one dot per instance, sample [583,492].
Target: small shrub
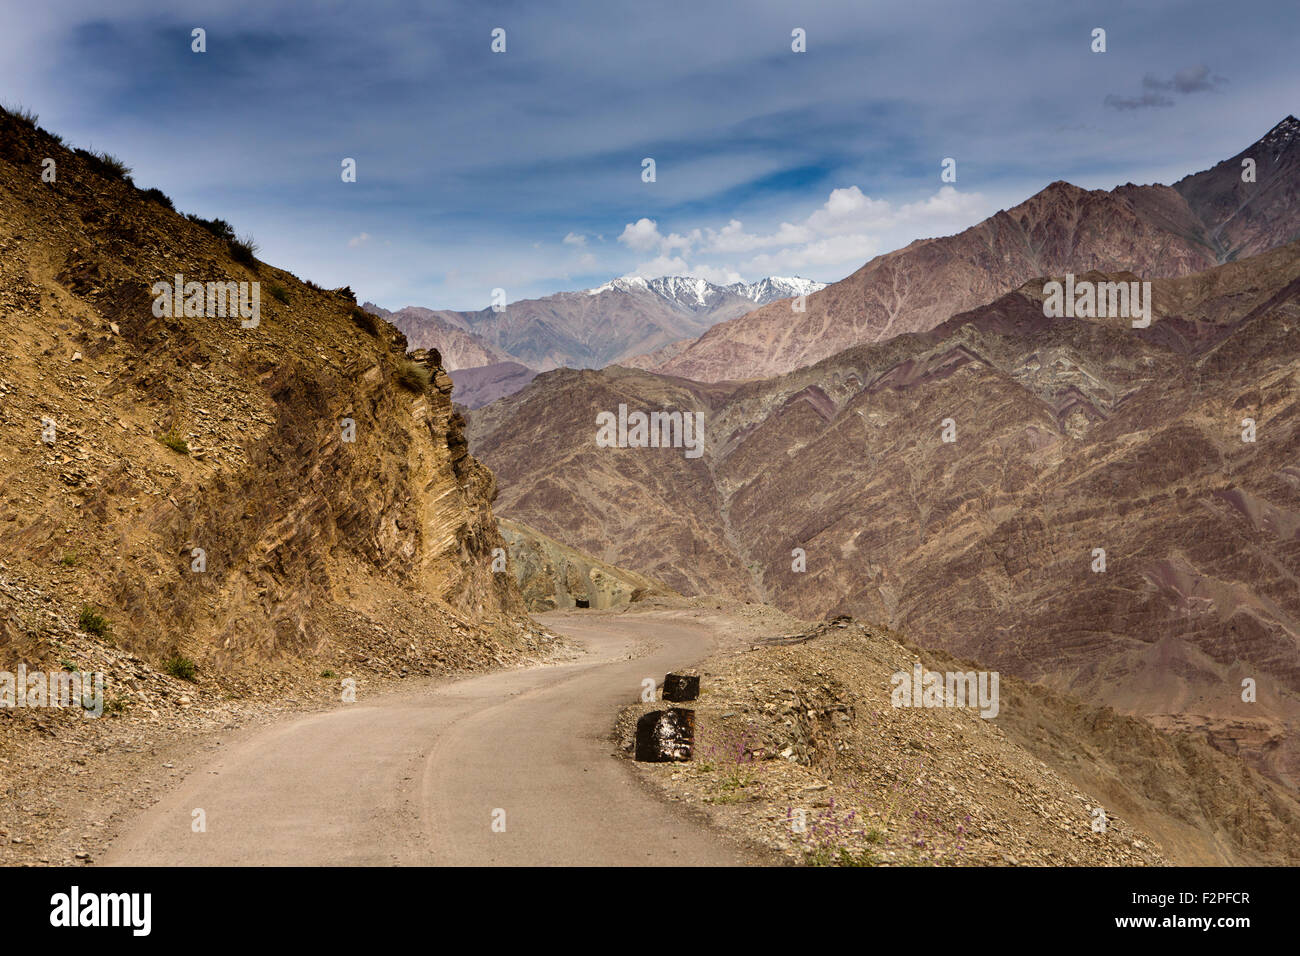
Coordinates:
[68,665]
[412,375]
[106,164]
[279,293]
[312,285]
[243,250]
[347,293]
[161,198]
[218,227]
[70,559]
[181,667]
[327,673]
[92,622]
[115,705]
[365,321]
[175,442]
[24,116]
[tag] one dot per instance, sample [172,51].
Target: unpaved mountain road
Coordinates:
[414,778]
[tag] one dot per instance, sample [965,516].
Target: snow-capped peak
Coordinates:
[695,293]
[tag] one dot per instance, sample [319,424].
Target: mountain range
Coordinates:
[619,320]
[1116,515]
[1203,220]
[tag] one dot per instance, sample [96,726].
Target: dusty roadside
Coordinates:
[68,782]
[799,751]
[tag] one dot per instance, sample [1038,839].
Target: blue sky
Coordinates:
[522,170]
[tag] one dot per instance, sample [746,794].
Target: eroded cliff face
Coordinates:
[239,491]
[552,575]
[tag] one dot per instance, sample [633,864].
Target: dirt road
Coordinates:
[416,777]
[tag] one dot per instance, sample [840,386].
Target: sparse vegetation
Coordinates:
[23,115]
[175,442]
[244,250]
[70,559]
[278,292]
[327,673]
[181,667]
[218,227]
[92,622]
[106,164]
[153,194]
[412,375]
[68,665]
[365,321]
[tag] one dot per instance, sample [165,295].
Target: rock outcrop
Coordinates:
[552,575]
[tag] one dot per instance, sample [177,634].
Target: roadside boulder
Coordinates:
[681,687]
[665,735]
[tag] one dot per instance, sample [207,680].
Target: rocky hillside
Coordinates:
[831,490]
[799,748]
[1203,220]
[552,575]
[243,494]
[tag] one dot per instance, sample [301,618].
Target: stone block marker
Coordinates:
[681,687]
[665,735]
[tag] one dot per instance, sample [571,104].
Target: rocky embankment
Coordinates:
[800,749]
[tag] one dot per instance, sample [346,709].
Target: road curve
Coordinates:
[415,777]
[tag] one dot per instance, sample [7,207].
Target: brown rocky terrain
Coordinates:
[552,575]
[1071,435]
[135,446]
[1204,220]
[799,749]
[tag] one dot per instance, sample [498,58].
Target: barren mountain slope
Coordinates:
[199,483]
[1156,230]
[1071,435]
[553,575]
[481,385]
[426,329]
[653,507]
[802,728]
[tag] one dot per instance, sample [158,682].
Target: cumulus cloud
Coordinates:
[845,230]
[641,236]
[575,239]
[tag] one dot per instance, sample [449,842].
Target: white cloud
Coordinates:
[830,251]
[844,232]
[575,239]
[641,236]
[358,241]
[662,266]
